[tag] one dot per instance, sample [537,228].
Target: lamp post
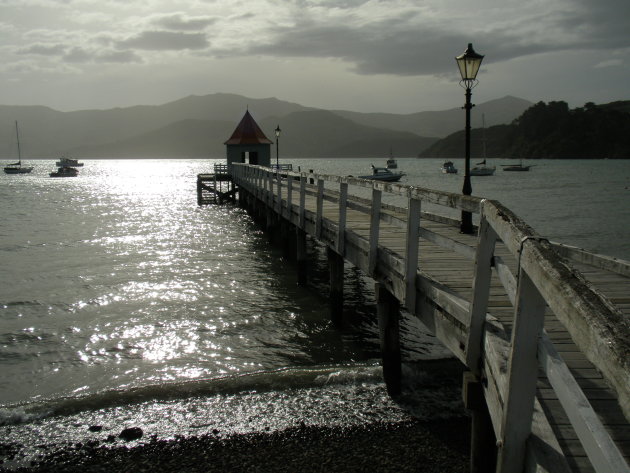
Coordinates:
[278,130]
[468,64]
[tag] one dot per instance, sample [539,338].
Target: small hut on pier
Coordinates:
[248,144]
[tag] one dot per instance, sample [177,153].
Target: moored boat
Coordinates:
[69,162]
[383,174]
[65,171]
[516,167]
[481,169]
[392,163]
[17,168]
[449,168]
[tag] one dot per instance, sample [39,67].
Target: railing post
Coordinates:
[522,376]
[375,221]
[341,235]
[320,208]
[486,241]
[279,187]
[302,215]
[269,189]
[289,197]
[411,253]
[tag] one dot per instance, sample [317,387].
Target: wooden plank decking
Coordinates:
[444,282]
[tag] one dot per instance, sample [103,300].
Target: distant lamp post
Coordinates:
[278,130]
[469,64]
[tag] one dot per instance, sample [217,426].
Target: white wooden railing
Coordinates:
[542,279]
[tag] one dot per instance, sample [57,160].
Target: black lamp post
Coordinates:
[278,130]
[468,64]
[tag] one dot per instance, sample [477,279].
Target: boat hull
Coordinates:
[20,170]
[64,172]
[516,168]
[482,171]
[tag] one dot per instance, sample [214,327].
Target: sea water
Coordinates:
[120,298]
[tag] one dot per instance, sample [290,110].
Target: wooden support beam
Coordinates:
[483,446]
[300,256]
[388,311]
[335,268]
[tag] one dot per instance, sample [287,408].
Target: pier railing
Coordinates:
[537,278]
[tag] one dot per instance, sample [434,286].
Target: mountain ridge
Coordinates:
[48,133]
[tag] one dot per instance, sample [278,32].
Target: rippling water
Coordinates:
[116,287]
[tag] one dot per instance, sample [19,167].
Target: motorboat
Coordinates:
[68,162]
[65,171]
[17,168]
[383,174]
[449,168]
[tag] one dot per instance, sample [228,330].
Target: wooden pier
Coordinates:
[542,328]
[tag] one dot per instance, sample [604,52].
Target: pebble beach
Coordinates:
[406,446]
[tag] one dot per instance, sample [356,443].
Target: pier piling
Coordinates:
[388,312]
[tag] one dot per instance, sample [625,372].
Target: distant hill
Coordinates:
[548,131]
[198,126]
[322,133]
[301,132]
[442,123]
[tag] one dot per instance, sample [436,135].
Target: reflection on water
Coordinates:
[117,279]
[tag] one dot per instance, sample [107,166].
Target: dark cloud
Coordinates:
[177,22]
[407,46]
[165,40]
[77,55]
[119,57]
[44,50]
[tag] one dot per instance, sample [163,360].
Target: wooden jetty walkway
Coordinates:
[542,328]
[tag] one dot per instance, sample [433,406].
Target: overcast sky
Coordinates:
[377,55]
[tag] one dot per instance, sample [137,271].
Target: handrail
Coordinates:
[543,279]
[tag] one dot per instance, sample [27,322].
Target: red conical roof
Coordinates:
[248,133]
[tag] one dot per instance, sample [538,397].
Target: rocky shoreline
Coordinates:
[405,446]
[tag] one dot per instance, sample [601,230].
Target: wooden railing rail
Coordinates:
[543,279]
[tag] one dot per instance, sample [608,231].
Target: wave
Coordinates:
[282,379]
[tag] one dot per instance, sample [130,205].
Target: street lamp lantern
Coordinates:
[469,63]
[277,130]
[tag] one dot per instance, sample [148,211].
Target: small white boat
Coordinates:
[68,162]
[65,171]
[383,174]
[449,168]
[17,168]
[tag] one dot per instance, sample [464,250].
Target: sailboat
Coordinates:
[481,168]
[16,168]
[516,167]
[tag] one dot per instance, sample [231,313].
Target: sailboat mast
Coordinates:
[17,134]
[483,129]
